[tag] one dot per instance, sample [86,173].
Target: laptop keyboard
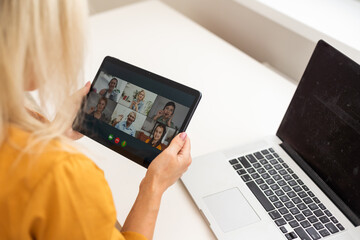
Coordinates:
[290,203]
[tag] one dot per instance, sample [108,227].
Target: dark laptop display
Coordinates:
[321,128]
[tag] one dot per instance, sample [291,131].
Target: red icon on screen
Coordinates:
[117,140]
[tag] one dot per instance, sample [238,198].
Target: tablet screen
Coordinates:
[135,112]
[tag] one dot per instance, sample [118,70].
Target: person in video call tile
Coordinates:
[97,112]
[111,92]
[166,114]
[158,135]
[138,103]
[125,125]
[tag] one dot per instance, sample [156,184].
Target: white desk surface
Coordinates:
[242,100]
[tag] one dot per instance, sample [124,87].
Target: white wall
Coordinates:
[259,37]
[263,39]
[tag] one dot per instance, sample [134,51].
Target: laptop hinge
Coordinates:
[321,184]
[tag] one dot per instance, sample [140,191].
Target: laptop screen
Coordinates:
[322,123]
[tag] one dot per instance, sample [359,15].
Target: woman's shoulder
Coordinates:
[62,157]
[32,163]
[38,184]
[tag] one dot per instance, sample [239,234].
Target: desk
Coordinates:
[242,99]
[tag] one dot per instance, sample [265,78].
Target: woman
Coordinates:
[98,111]
[158,135]
[111,92]
[138,103]
[166,114]
[52,190]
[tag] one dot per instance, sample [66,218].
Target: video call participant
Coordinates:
[66,196]
[138,103]
[158,135]
[166,114]
[125,125]
[97,112]
[111,92]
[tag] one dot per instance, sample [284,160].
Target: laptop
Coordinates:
[303,183]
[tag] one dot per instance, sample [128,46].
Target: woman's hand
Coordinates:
[164,170]
[134,105]
[169,166]
[119,118]
[91,110]
[77,97]
[159,114]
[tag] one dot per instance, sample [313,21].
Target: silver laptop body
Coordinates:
[302,183]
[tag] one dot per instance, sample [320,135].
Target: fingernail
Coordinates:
[87,84]
[183,135]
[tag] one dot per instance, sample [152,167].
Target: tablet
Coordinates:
[133,111]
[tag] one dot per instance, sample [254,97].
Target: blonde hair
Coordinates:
[42,47]
[134,113]
[140,92]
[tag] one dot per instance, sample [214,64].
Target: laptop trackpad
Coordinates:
[230,209]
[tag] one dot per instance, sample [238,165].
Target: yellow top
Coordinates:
[53,195]
[148,140]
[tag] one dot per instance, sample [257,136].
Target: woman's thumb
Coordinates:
[85,89]
[177,143]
